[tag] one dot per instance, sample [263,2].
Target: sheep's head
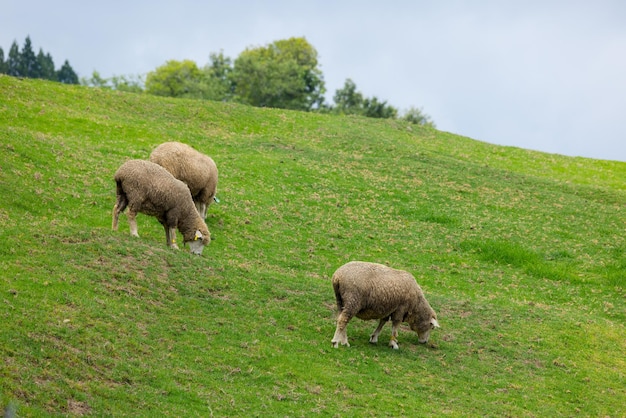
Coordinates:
[423,327]
[199,241]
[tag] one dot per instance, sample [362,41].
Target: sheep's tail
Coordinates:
[120,204]
[338,297]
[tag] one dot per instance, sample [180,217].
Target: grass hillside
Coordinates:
[522,255]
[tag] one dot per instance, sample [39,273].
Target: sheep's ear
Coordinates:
[198,236]
[434,323]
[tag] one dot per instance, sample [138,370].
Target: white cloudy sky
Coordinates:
[547,75]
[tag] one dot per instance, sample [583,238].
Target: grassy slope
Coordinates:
[521,253]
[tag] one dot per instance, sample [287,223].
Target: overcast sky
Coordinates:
[546,75]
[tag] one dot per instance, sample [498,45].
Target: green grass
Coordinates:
[522,255]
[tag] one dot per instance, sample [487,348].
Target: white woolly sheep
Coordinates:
[375,291]
[148,188]
[193,168]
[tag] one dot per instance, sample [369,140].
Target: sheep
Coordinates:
[193,168]
[375,291]
[148,188]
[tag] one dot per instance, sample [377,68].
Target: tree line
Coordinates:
[284,74]
[24,63]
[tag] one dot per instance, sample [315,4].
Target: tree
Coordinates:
[373,108]
[284,74]
[175,79]
[418,117]
[66,74]
[3,64]
[131,84]
[13,61]
[217,78]
[348,100]
[46,64]
[95,81]
[28,66]
[351,102]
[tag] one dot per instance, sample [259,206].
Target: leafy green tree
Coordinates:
[216,80]
[373,108]
[13,60]
[66,74]
[175,79]
[284,74]
[131,84]
[46,64]
[95,81]
[418,117]
[347,99]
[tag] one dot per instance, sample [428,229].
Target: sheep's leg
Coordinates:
[374,337]
[201,208]
[393,343]
[116,216]
[341,334]
[120,204]
[170,236]
[132,222]
[203,200]
[169,222]
[173,238]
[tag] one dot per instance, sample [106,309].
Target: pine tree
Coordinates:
[13,61]
[66,74]
[47,66]
[3,64]
[28,64]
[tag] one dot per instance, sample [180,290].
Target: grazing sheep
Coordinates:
[193,168]
[148,188]
[374,291]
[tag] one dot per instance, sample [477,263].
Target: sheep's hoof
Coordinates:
[335,344]
[394,345]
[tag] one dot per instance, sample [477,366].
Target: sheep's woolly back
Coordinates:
[374,291]
[192,167]
[152,190]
